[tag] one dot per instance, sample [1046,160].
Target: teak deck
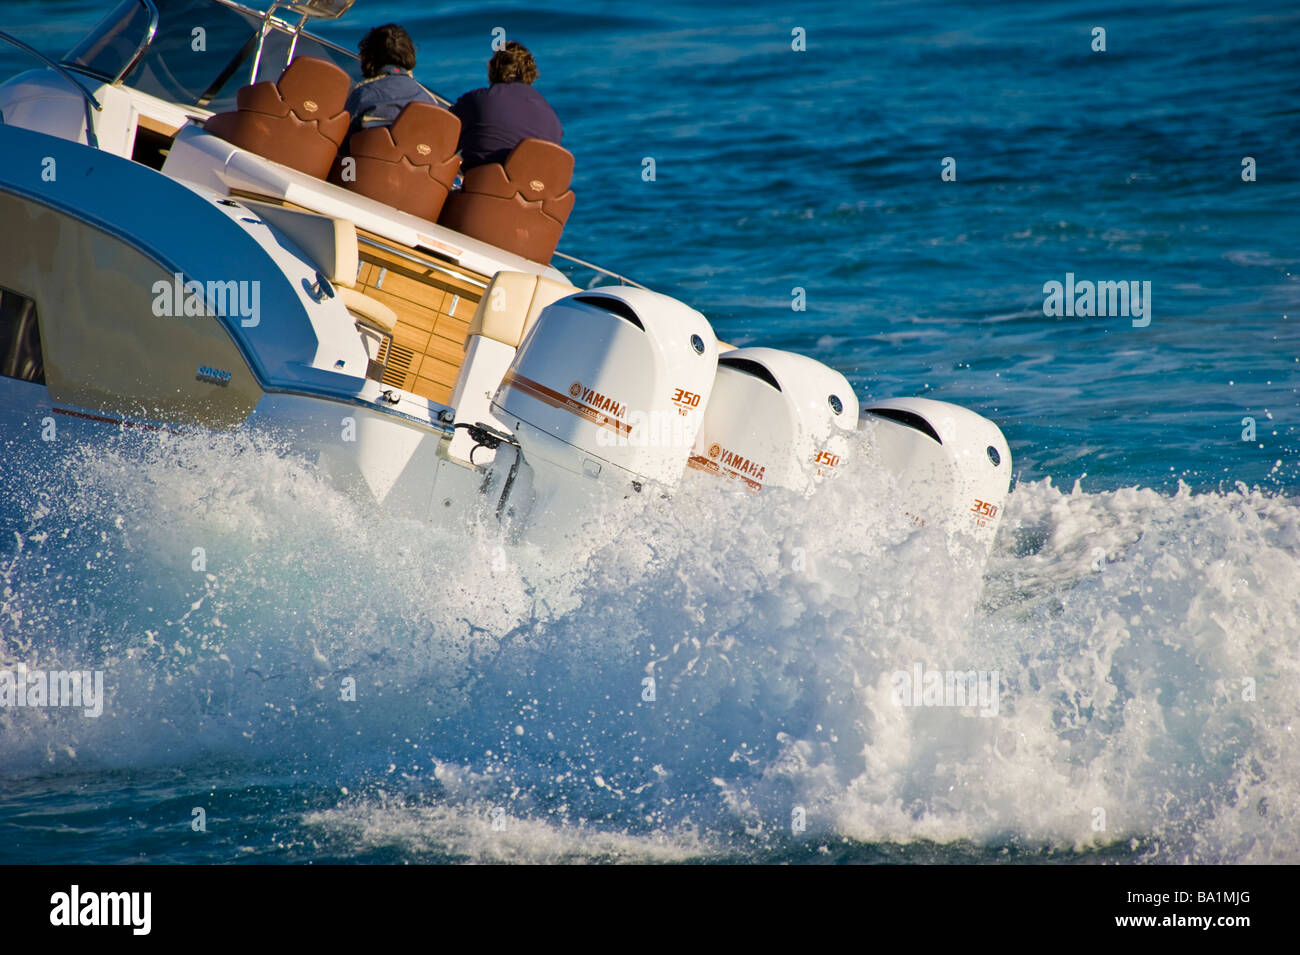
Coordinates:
[434,303]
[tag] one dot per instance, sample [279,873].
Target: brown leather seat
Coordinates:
[520,206]
[409,165]
[298,120]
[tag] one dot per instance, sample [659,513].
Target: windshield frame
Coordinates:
[150,33]
[151,30]
[265,24]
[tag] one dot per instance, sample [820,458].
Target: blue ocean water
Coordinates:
[1148,566]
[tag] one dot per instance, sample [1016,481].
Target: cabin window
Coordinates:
[20,338]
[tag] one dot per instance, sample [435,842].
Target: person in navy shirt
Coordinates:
[387,59]
[495,119]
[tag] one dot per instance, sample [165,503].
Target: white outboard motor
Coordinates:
[775,419]
[609,385]
[953,465]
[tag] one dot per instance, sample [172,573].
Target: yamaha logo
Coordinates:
[423,149]
[715,450]
[536,185]
[310,105]
[575,390]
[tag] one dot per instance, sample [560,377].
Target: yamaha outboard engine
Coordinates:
[775,419]
[607,389]
[952,466]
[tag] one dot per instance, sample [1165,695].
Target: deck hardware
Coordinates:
[322,289]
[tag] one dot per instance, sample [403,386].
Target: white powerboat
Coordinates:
[182,248]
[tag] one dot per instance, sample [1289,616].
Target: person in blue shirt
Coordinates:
[387,59]
[495,119]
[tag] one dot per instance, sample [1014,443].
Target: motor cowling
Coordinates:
[775,419]
[611,383]
[952,466]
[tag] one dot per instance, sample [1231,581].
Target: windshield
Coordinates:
[109,48]
[202,54]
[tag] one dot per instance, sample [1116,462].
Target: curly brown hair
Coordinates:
[388,45]
[512,64]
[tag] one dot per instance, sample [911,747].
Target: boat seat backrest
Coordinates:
[298,121]
[520,205]
[409,165]
[511,303]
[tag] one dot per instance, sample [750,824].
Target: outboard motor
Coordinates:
[775,419]
[609,385]
[953,465]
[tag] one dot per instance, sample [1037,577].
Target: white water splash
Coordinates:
[1122,624]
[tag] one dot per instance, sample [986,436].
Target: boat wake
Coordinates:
[715,676]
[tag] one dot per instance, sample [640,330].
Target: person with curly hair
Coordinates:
[387,59]
[495,119]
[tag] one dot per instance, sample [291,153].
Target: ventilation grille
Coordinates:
[399,363]
[908,419]
[750,367]
[615,306]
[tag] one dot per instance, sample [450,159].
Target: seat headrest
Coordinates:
[425,123]
[541,170]
[314,88]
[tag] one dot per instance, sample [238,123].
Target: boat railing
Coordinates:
[428,263]
[306,12]
[424,262]
[86,94]
[622,279]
